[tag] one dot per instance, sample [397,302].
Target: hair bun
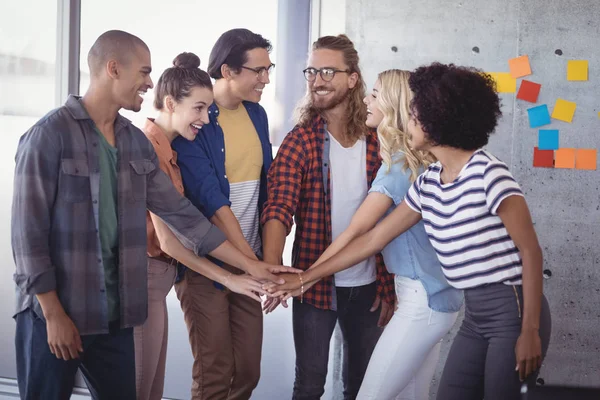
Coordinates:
[187,61]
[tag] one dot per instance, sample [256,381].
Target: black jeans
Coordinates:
[481,363]
[107,363]
[313,329]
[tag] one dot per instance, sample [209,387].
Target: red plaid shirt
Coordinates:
[296,188]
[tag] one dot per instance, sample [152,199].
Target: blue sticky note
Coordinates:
[548,139]
[538,116]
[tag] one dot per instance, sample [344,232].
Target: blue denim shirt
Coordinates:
[202,163]
[411,255]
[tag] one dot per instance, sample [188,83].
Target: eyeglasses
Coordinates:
[327,74]
[261,71]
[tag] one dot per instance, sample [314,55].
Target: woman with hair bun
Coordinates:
[182,97]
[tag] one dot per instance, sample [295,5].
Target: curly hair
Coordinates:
[356,114]
[394,102]
[456,106]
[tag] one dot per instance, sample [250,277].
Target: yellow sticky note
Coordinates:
[505,83]
[577,70]
[564,110]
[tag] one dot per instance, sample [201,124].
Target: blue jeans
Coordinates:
[313,328]
[107,363]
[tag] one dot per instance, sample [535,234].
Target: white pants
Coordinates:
[405,358]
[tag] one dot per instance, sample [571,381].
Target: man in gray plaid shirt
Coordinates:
[84,178]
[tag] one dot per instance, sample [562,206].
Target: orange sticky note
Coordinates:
[505,83]
[564,110]
[577,70]
[519,66]
[586,159]
[565,158]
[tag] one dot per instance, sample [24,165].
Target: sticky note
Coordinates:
[519,66]
[564,110]
[565,158]
[543,158]
[585,159]
[538,116]
[548,139]
[529,91]
[505,83]
[577,70]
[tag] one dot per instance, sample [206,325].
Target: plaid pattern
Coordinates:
[55,239]
[296,190]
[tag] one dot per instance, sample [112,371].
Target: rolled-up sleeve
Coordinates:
[35,182]
[190,226]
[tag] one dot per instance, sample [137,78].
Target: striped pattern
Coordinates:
[461,221]
[244,200]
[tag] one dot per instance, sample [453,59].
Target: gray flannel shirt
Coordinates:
[54,227]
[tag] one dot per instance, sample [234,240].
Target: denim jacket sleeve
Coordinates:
[199,177]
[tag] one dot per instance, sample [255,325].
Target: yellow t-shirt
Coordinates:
[243,165]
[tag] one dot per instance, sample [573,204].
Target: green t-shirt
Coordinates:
[109,234]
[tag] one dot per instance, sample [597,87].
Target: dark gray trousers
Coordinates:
[481,363]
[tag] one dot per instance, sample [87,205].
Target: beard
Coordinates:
[321,104]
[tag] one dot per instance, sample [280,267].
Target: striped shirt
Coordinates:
[462,223]
[243,166]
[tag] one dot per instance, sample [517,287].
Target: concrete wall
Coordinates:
[565,203]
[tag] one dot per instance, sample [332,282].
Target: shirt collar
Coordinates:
[158,137]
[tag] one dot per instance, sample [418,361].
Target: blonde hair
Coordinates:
[394,102]
[356,113]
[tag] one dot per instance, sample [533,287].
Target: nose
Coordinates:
[319,81]
[204,117]
[150,83]
[365,101]
[264,78]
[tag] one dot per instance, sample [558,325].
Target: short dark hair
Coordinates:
[114,44]
[231,48]
[456,106]
[179,80]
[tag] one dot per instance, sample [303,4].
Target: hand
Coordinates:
[528,352]
[63,337]
[246,285]
[387,311]
[267,272]
[271,304]
[290,282]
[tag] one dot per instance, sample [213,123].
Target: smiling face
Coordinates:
[247,85]
[133,80]
[326,95]
[191,113]
[374,114]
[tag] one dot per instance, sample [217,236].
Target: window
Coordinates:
[27,84]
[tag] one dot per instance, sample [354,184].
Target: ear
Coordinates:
[169,102]
[226,72]
[112,68]
[352,80]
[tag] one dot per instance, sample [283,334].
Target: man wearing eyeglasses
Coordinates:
[320,176]
[224,175]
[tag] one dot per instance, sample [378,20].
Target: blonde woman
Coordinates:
[407,353]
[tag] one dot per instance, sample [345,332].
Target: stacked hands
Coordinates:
[280,283]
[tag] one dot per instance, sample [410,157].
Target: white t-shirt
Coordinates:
[349,188]
[462,222]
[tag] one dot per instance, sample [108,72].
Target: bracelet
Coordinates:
[226,283]
[301,288]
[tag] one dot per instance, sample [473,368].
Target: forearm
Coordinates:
[356,251]
[51,305]
[532,288]
[274,234]
[230,226]
[173,247]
